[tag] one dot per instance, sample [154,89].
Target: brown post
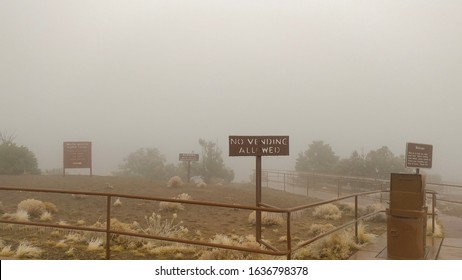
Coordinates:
[356,218]
[189,171]
[289,238]
[108,227]
[258,197]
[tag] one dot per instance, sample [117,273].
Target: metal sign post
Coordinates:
[189,158]
[258,146]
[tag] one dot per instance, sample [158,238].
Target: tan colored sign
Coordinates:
[189,157]
[77,154]
[419,155]
[258,145]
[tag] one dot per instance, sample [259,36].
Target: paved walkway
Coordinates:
[447,248]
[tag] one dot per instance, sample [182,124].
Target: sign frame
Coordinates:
[77,154]
[188,157]
[419,155]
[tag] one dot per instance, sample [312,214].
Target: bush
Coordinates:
[175,182]
[267,218]
[328,212]
[33,207]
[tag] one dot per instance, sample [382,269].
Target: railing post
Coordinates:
[289,238]
[307,185]
[356,218]
[433,211]
[338,188]
[284,181]
[108,228]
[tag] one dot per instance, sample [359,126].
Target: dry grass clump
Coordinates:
[328,212]
[267,218]
[317,229]
[174,206]
[117,203]
[19,215]
[95,244]
[50,207]
[248,241]
[438,228]
[364,237]
[337,246]
[155,225]
[46,216]
[25,250]
[175,182]
[33,207]
[371,208]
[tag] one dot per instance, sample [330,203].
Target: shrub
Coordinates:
[363,236]
[33,207]
[95,244]
[25,250]
[175,182]
[46,216]
[248,241]
[267,218]
[167,227]
[317,229]
[174,206]
[19,215]
[328,212]
[117,203]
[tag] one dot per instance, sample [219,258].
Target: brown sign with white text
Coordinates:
[258,145]
[77,154]
[419,155]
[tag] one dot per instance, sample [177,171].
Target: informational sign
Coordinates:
[189,157]
[419,155]
[76,155]
[258,145]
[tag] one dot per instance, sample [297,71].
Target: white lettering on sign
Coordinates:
[258,145]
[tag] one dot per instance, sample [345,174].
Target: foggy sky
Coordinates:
[358,75]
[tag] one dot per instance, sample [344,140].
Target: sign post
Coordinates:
[189,158]
[77,155]
[258,146]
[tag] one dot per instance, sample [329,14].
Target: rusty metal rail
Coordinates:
[271,250]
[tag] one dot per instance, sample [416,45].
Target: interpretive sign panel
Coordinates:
[77,154]
[419,155]
[258,145]
[189,157]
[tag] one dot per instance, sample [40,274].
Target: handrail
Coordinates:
[263,207]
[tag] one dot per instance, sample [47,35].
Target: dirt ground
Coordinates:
[202,222]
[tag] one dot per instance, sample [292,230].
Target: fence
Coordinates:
[270,250]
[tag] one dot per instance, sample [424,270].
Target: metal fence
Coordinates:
[109,231]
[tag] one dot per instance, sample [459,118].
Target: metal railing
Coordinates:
[271,250]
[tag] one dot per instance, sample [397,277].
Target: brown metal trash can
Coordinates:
[406,235]
[407,217]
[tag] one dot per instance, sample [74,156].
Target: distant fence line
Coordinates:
[325,186]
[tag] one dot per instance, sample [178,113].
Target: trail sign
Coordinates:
[258,145]
[189,157]
[419,155]
[77,155]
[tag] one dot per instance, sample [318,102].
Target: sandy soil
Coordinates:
[202,222]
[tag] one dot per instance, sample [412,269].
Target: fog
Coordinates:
[124,75]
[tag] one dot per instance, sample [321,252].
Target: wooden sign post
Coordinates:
[258,146]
